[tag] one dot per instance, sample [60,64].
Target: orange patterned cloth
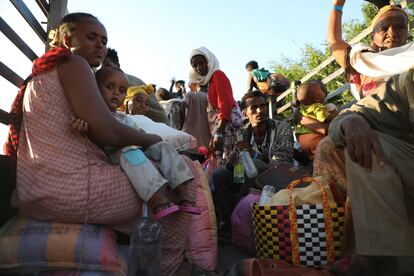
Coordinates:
[329,165]
[329,168]
[63,177]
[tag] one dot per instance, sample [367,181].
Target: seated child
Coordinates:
[311,97]
[264,81]
[145,178]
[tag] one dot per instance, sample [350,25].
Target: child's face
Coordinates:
[317,92]
[113,87]
[139,104]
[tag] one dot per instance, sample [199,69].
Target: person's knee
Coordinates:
[160,147]
[261,166]
[163,144]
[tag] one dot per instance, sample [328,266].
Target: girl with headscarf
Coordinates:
[137,99]
[223,112]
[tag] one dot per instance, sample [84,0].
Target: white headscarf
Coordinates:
[212,64]
[382,64]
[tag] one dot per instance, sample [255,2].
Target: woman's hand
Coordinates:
[153,139]
[78,124]
[361,142]
[218,138]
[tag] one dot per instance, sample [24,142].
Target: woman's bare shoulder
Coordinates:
[74,61]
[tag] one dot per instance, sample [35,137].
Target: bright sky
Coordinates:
[154,38]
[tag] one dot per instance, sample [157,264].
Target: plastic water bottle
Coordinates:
[145,250]
[238,170]
[267,193]
[248,164]
[238,173]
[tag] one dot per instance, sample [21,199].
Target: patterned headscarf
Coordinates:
[133,90]
[384,10]
[45,63]
[212,63]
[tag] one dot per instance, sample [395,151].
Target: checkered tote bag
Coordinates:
[308,235]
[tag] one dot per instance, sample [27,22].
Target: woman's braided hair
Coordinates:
[66,27]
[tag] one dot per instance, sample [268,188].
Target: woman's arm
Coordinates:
[83,94]
[315,125]
[221,87]
[337,46]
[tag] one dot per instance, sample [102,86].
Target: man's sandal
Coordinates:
[171,208]
[188,207]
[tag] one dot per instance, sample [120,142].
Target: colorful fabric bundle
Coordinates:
[260,74]
[202,231]
[308,235]
[30,245]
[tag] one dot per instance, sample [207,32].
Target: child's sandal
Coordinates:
[171,208]
[188,207]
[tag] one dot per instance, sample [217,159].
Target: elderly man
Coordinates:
[269,142]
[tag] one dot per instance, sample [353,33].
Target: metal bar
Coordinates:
[283,95]
[318,68]
[57,10]
[4,117]
[270,109]
[44,6]
[347,105]
[9,75]
[338,91]
[29,17]
[283,108]
[327,61]
[333,75]
[16,40]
